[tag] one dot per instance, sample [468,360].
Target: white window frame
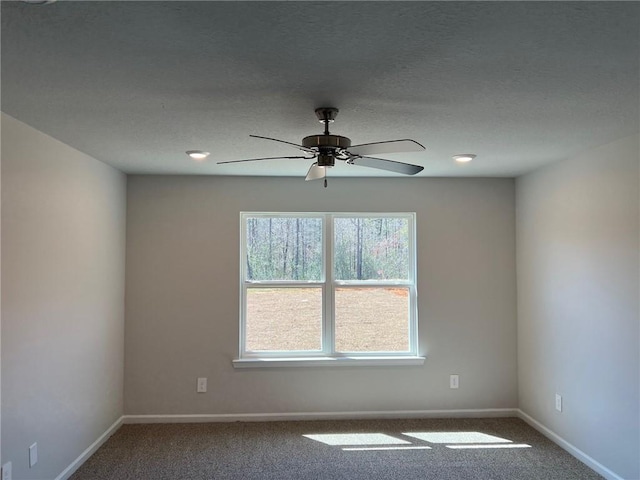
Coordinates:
[327,356]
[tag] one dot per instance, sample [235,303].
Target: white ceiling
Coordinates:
[135,84]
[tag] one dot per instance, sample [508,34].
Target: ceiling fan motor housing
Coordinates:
[333,142]
[328,146]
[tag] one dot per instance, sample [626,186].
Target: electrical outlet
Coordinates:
[33,455]
[202,385]
[6,471]
[558,402]
[454,381]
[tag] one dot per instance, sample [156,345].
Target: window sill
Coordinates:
[266,362]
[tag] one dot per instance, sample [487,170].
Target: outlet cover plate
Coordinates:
[558,402]
[6,471]
[454,381]
[33,455]
[202,385]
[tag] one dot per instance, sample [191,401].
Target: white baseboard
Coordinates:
[576,452]
[269,417]
[91,449]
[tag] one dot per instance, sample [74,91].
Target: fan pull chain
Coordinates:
[325,183]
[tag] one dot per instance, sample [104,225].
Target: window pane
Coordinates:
[284,319]
[372,319]
[284,248]
[371,248]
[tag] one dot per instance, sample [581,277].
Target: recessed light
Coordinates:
[464,157]
[198,154]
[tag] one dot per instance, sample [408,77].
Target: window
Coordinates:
[320,288]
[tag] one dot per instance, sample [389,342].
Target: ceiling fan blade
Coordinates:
[391,146]
[389,165]
[256,159]
[283,141]
[315,172]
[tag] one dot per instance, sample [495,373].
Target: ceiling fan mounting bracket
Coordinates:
[326,114]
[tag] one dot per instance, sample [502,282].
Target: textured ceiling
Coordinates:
[135,84]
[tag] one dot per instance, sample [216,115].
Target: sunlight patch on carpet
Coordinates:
[356,439]
[508,445]
[456,437]
[364,449]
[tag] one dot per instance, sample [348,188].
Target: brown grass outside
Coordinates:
[371,319]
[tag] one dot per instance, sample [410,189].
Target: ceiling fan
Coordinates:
[326,148]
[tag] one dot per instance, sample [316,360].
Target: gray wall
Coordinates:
[578,328]
[182,297]
[63,251]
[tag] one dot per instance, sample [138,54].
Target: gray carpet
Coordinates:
[281,451]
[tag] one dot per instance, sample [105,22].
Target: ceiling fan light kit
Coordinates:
[327,148]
